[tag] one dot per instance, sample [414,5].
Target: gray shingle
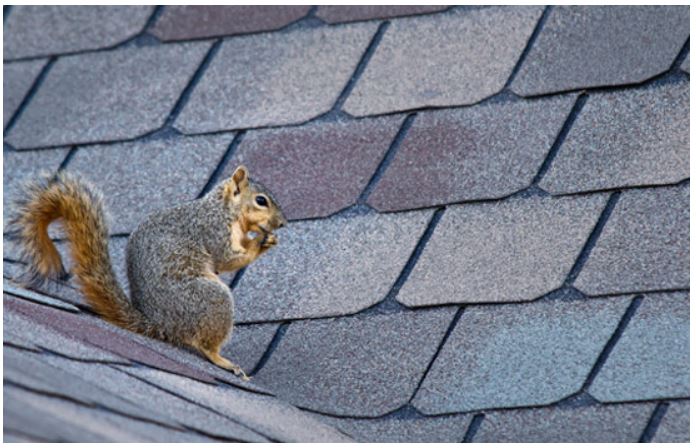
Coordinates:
[139,178]
[317,169]
[592,424]
[248,343]
[443,60]
[685,64]
[482,152]
[300,279]
[625,138]
[114,95]
[449,429]
[62,420]
[674,426]
[643,246]
[518,354]
[21,166]
[510,251]
[276,419]
[16,82]
[21,331]
[353,13]
[179,22]
[42,30]
[651,359]
[47,374]
[359,366]
[296,77]
[590,46]
[40,297]
[164,406]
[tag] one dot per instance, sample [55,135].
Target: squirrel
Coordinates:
[173,257]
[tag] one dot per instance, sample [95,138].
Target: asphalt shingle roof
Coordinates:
[489,220]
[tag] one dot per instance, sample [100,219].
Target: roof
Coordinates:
[489,219]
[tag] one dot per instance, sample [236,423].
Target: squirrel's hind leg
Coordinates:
[216,358]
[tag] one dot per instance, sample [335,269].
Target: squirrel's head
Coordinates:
[259,209]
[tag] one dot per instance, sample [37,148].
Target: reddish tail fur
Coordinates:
[81,210]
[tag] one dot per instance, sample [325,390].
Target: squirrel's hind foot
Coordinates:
[225,363]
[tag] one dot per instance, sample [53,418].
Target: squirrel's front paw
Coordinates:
[269,241]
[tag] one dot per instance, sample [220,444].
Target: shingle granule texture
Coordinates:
[64,420]
[443,60]
[298,279]
[644,245]
[511,251]
[317,169]
[518,354]
[179,22]
[651,360]
[674,426]
[174,171]
[32,31]
[385,354]
[17,80]
[589,46]
[269,416]
[395,429]
[105,96]
[275,79]
[481,152]
[591,424]
[625,138]
[353,13]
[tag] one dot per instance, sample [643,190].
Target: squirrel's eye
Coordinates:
[261,201]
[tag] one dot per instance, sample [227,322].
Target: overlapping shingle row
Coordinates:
[542,279]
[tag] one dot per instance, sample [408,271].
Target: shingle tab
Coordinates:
[174,171]
[590,46]
[443,60]
[357,366]
[20,166]
[482,152]
[273,418]
[299,278]
[95,332]
[651,359]
[625,138]
[179,22]
[47,374]
[449,429]
[511,251]
[518,354]
[644,245]
[43,30]
[317,169]
[62,420]
[295,77]
[248,344]
[150,398]
[17,79]
[592,424]
[114,95]
[354,13]
[23,331]
[685,64]
[674,426]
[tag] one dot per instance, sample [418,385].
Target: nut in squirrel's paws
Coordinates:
[269,240]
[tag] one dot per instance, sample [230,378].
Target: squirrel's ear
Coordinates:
[237,183]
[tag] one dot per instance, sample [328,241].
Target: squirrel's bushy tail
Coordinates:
[81,209]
